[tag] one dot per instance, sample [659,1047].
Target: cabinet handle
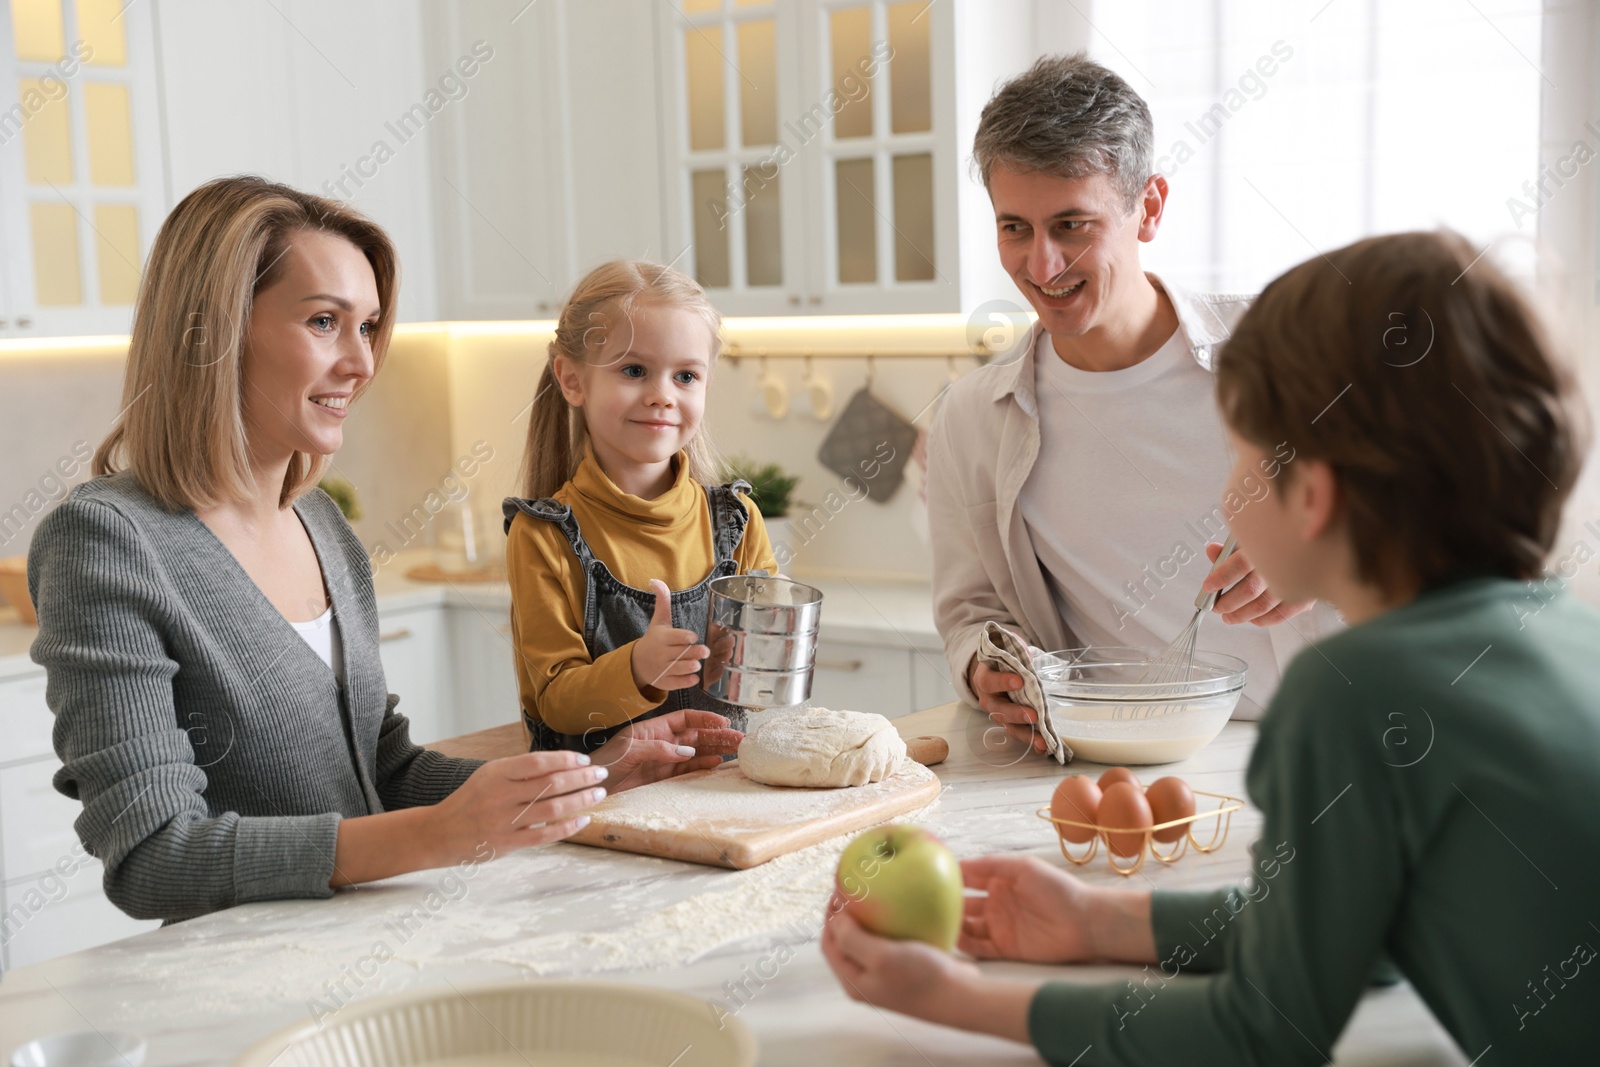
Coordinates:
[395,635]
[2,323]
[814,300]
[24,321]
[839,664]
[794,300]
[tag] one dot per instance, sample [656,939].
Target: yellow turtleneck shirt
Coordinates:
[669,538]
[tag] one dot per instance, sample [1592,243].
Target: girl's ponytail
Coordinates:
[555,436]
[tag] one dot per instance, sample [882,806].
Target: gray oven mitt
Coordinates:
[1001,650]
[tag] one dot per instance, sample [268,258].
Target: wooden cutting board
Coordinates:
[723,819]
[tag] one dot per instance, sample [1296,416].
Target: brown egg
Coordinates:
[1117,774]
[1076,798]
[1124,807]
[1170,798]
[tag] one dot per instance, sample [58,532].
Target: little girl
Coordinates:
[623,527]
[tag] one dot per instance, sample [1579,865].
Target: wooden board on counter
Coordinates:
[723,819]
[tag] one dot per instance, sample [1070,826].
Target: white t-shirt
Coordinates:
[1124,498]
[323,637]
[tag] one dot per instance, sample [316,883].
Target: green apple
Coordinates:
[903,882]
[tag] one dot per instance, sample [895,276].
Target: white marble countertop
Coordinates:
[204,990]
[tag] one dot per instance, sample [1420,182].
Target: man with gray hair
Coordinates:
[1073,489]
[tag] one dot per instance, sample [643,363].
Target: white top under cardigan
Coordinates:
[323,637]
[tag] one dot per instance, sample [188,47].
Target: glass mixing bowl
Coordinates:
[1124,706]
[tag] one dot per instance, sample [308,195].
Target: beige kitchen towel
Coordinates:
[1001,650]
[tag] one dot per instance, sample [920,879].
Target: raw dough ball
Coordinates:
[822,747]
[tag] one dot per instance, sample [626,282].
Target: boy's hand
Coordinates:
[1033,912]
[1246,597]
[665,657]
[905,976]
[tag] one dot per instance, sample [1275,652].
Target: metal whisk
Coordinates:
[1176,664]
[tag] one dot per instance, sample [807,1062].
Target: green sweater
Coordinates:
[1431,786]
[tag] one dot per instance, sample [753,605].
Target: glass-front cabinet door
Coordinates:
[740,185]
[887,163]
[813,163]
[81,187]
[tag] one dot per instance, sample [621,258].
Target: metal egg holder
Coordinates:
[1223,814]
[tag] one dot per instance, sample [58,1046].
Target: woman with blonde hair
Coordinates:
[206,615]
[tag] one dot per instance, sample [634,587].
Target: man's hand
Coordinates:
[666,657]
[1247,598]
[1018,720]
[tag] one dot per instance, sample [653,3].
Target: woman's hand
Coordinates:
[665,746]
[666,657]
[1038,914]
[516,802]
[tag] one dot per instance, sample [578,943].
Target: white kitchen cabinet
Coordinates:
[50,915]
[814,164]
[551,164]
[25,717]
[861,677]
[483,667]
[415,650]
[51,901]
[82,180]
[35,820]
[930,679]
[338,99]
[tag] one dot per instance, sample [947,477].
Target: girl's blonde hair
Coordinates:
[182,431]
[602,302]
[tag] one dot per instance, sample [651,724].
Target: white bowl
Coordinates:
[1104,705]
[516,1024]
[82,1048]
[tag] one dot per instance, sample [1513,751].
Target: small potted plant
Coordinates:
[772,492]
[343,494]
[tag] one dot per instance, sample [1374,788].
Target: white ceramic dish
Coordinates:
[516,1024]
[1101,707]
[82,1048]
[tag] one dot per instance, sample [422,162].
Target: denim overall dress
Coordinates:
[614,613]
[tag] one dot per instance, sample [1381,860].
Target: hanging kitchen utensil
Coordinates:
[818,393]
[870,444]
[770,397]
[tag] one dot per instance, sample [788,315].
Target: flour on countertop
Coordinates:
[602,911]
[783,899]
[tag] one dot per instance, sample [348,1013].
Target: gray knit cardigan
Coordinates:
[214,752]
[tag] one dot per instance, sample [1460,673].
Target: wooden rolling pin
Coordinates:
[928,749]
